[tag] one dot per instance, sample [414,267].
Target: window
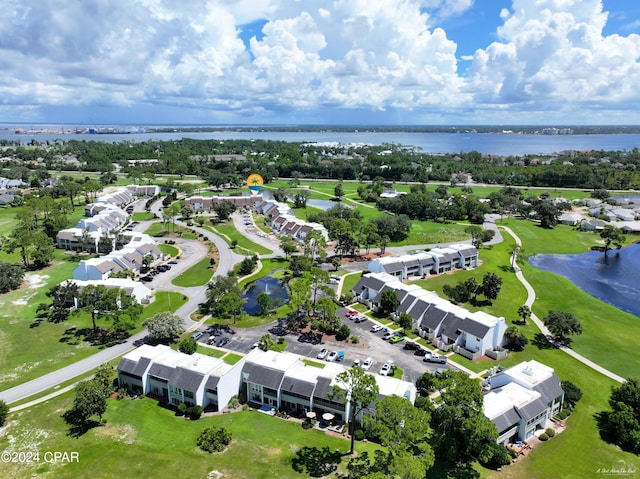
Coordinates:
[188,394]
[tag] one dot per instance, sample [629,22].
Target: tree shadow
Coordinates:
[541,342]
[446,470]
[78,426]
[316,462]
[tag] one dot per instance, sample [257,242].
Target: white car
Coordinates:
[332,356]
[435,358]
[366,365]
[386,368]
[376,328]
[322,354]
[388,335]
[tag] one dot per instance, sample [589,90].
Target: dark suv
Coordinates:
[410,346]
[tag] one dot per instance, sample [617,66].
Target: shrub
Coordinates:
[355,339]
[214,439]
[358,434]
[122,393]
[307,424]
[561,415]
[195,412]
[188,345]
[182,409]
[4,412]
[543,437]
[550,432]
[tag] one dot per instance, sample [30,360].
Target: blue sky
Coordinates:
[320,62]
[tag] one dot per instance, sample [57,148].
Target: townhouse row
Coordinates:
[265,378]
[451,327]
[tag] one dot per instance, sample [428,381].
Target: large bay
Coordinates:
[614,279]
[487,143]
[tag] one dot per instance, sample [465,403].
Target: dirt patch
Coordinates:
[124,433]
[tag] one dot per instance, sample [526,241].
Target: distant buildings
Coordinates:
[285,223]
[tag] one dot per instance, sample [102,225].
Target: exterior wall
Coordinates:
[131,382]
[229,384]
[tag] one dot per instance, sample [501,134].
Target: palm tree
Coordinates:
[525,313]
[265,342]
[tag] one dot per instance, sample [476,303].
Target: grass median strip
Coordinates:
[198,275]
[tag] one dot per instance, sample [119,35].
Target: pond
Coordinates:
[320,204]
[270,285]
[614,279]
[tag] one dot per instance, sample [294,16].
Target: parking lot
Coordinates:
[371,345]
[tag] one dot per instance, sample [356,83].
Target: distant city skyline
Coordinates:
[361,62]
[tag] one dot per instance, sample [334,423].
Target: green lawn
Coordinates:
[142,216]
[199,274]
[232,233]
[141,439]
[159,230]
[350,282]
[429,232]
[168,249]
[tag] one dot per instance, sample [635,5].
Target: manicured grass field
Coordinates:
[168,249]
[159,230]
[199,274]
[142,216]
[350,281]
[141,439]
[232,233]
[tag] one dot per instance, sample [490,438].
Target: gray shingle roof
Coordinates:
[185,379]
[532,409]
[266,377]
[474,328]
[468,252]
[432,317]
[323,387]
[141,367]
[368,282]
[506,420]
[393,267]
[550,388]
[212,383]
[418,308]
[128,366]
[161,371]
[298,386]
[450,326]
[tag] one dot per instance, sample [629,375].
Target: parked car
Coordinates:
[375,328]
[366,365]
[332,356]
[420,352]
[197,335]
[356,362]
[388,335]
[396,339]
[361,318]
[173,261]
[211,341]
[386,368]
[351,314]
[223,341]
[340,356]
[322,354]
[435,358]
[410,346]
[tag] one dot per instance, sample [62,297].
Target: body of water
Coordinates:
[487,143]
[270,285]
[614,279]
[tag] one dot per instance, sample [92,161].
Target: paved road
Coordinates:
[531,297]
[196,296]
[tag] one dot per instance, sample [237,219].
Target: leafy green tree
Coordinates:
[318,280]
[188,345]
[338,191]
[288,246]
[621,425]
[357,388]
[476,235]
[90,400]
[264,301]
[405,430]
[164,327]
[612,237]
[11,277]
[4,412]
[405,321]
[265,342]
[515,339]
[343,333]
[280,194]
[336,262]
[300,198]
[562,324]
[230,304]
[491,285]
[218,288]
[214,439]
[462,433]
[328,308]
[388,301]
[547,213]
[572,393]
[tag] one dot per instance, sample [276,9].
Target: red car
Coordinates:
[351,314]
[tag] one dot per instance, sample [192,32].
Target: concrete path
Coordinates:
[531,297]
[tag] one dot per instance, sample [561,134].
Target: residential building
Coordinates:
[451,327]
[522,400]
[135,289]
[174,377]
[205,203]
[285,223]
